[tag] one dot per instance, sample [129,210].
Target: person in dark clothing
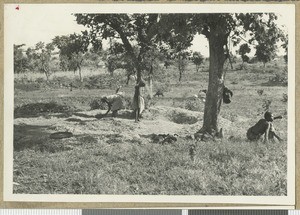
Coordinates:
[263,127]
[227,94]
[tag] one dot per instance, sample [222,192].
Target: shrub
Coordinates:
[280,78]
[182,118]
[193,104]
[260,92]
[284,97]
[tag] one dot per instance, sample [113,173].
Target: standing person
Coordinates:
[138,104]
[114,102]
[263,127]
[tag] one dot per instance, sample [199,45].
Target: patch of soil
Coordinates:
[110,130]
[39,109]
[38,138]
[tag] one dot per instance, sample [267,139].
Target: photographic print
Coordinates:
[164,103]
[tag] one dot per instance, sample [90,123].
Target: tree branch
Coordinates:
[205,31]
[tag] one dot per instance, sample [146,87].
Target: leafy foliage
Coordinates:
[72,49]
[36,59]
[197,59]
[265,53]
[279,78]
[136,33]
[20,60]
[181,60]
[285,46]
[243,51]
[44,57]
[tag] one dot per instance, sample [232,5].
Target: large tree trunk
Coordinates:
[217,40]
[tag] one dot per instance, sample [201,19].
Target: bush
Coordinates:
[162,86]
[193,104]
[104,81]
[253,60]
[280,78]
[285,97]
[182,118]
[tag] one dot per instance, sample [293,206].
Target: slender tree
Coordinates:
[182,59]
[243,51]
[20,60]
[39,58]
[197,59]
[72,49]
[285,45]
[137,34]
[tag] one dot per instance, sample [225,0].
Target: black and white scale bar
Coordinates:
[238,212]
[143,212]
[40,211]
[132,212]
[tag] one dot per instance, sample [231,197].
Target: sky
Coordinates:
[33,23]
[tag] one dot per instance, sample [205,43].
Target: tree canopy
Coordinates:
[197,59]
[71,50]
[173,33]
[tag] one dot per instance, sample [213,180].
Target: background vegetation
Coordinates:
[117,156]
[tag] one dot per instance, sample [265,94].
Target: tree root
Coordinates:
[204,135]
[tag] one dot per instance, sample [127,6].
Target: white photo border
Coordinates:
[9,10]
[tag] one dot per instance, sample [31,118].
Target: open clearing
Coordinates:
[119,156]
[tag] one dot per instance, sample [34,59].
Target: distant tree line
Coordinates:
[74,50]
[140,41]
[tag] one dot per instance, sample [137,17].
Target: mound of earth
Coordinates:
[38,109]
[156,120]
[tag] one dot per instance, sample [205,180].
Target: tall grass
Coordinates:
[228,167]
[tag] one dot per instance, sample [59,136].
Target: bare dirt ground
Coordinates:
[156,120]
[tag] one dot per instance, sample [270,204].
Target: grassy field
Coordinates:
[118,156]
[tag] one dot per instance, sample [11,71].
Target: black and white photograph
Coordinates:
[188,103]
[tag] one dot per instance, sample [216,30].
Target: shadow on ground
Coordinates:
[124,114]
[38,138]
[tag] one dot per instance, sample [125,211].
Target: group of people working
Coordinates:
[116,102]
[264,127]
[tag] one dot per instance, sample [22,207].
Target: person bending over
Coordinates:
[114,103]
